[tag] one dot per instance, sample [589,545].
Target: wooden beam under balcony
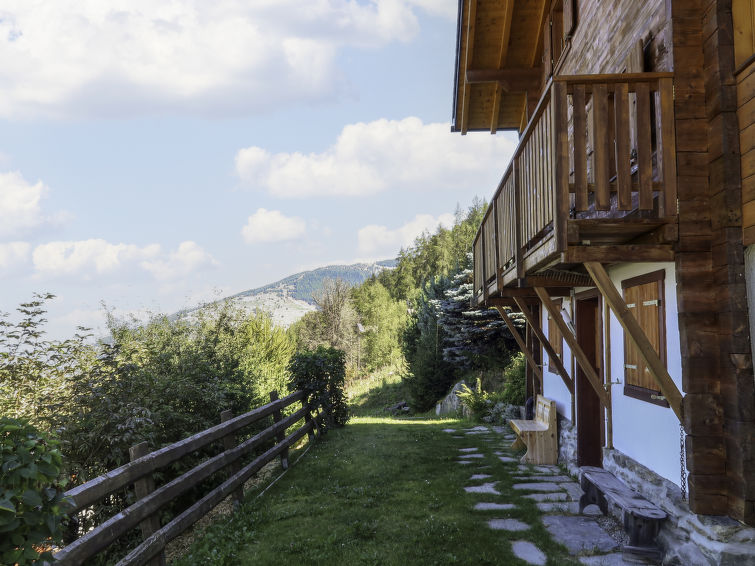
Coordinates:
[512,80]
[615,254]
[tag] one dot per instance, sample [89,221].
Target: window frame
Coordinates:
[632,390]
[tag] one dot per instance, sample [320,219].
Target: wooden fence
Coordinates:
[144,511]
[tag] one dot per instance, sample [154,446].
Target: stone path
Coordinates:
[556,495]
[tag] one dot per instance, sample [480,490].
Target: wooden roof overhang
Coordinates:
[499,47]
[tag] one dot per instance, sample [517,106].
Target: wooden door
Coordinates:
[589,410]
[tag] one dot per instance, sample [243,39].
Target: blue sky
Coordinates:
[154,154]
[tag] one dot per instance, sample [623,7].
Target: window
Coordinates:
[645,299]
[556,340]
[559,25]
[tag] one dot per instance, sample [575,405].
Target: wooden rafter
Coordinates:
[471,23]
[543,14]
[522,345]
[512,80]
[502,53]
[576,349]
[618,253]
[637,335]
[547,345]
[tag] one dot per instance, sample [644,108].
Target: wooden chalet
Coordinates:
[621,225]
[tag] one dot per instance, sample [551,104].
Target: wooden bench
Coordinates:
[642,519]
[538,435]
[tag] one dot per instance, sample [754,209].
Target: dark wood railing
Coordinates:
[143,512]
[597,146]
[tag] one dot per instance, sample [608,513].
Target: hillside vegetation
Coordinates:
[405,333]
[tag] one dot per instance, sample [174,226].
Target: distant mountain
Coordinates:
[290,298]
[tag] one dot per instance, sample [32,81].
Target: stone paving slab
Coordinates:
[525,550]
[548,469]
[465,462]
[450,430]
[557,496]
[543,478]
[507,459]
[485,506]
[468,455]
[480,477]
[512,525]
[484,488]
[539,486]
[614,559]
[468,449]
[579,534]
[573,489]
[571,507]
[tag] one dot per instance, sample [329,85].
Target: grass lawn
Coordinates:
[379,491]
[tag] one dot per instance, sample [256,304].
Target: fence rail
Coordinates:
[144,511]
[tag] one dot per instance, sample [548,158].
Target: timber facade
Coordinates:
[621,226]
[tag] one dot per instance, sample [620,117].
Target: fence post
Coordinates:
[142,488]
[280,437]
[229,443]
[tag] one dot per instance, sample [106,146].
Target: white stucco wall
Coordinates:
[646,432]
[553,386]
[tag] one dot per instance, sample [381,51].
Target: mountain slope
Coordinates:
[291,298]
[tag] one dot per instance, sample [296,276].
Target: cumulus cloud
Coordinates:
[268,226]
[88,257]
[369,158]
[382,241]
[13,255]
[112,57]
[188,258]
[20,204]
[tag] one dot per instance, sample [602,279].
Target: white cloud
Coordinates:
[13,254]
[110,57]
[267,226]
[20,208]
[369,158]
[88,257]
[381,241]
[188,258]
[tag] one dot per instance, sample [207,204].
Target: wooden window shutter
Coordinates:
[569,17]
[644,298]
[556,340]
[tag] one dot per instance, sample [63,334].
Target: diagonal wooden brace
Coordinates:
[547,345]
[582,359]
[637,336]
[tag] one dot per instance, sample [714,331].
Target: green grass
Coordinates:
[379,491]
[371,394]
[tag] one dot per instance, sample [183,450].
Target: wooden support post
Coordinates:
[310,432]
[571,340]
[525,350]
[229,443]
[142,488]
[281,436]
[547,345]
[637,335]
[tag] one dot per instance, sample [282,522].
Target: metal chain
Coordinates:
[683,462]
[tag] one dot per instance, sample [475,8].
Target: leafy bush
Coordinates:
[514,381]
[31,493]
[321,373]
[476,401]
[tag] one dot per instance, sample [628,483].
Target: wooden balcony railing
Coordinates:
[599,148]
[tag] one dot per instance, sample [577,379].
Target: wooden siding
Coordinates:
[600,48]
[746,118]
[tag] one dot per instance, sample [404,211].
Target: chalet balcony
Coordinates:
[592,179]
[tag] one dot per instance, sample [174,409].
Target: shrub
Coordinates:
[514,381]
[321,373]
[31,493]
